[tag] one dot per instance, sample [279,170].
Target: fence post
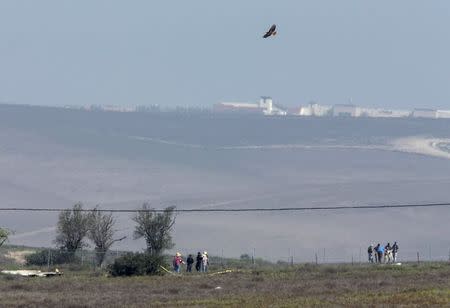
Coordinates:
[429,251]
[418,259]
[360,256]
[317,261]
[324,255]
[352,259]
[48,259]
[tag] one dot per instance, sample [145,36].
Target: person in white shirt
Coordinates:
[205,262]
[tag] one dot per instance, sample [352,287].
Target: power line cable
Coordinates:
[283,209]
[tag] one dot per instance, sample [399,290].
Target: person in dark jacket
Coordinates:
[376,253]
[395,251]
[198,264]
[370,253]
[189,263]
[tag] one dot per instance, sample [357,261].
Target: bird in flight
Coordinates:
[272,31]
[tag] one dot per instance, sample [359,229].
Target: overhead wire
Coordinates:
[215,210]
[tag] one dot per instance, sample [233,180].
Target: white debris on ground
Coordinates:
[32,273]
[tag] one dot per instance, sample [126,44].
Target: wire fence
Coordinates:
[92,260]
[323,256]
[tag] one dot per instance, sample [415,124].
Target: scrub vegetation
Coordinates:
[427,284]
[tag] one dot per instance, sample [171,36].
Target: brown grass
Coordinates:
[426,285]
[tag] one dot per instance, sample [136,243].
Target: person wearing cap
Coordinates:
[177,261]
[205,262]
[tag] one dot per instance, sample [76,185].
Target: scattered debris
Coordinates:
[218,288]
[32,273]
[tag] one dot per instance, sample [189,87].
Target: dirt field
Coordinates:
[306,285]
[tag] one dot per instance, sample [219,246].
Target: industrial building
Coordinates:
[384,113]
[346,110]
[315,110]
[443,114]
[424,113]
[264,106]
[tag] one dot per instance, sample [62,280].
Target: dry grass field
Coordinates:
[424,285]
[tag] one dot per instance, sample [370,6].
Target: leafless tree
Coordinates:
[72,229]
[101,233]
[155,228]
[4,234]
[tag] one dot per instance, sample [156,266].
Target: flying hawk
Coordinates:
[272,31]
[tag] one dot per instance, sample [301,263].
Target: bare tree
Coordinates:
[4,234]
[155,228]
[72,229]
[101,232]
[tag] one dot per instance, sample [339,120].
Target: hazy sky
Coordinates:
[379,53]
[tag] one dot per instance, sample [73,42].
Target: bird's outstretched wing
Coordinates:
[272,31]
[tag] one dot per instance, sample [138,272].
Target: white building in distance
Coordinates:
[315,110]
[346,110]
[384,113]
[443,114]
[264,106]
[425,113]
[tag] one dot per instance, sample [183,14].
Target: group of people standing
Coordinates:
[383,254]
[201,262]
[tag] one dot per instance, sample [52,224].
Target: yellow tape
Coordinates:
[211,274]
[167,270]
[222,272]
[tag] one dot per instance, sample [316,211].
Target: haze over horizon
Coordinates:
[383,54]
[55,157]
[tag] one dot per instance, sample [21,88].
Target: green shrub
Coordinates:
[41,258]
[134,264]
